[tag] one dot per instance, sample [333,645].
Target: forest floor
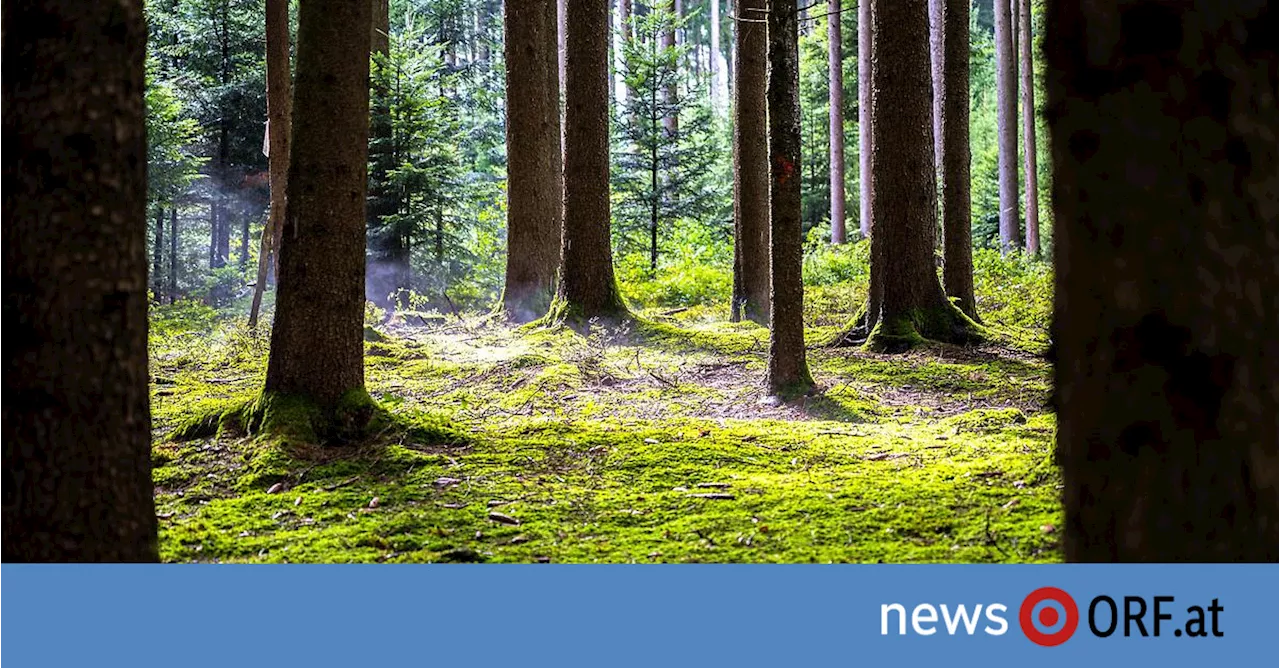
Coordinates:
[631,446]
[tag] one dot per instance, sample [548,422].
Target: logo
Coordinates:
[1048,616]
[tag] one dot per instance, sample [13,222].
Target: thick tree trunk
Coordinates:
[1029,132]
[788,373]
[750,167]
[317,343]
[950,26]
[535,183]
[1165,316]
[77,425]
[912,304]
[279,112]
[1007,124]
[835,68]
[864,117]
[380,27]
[588,287]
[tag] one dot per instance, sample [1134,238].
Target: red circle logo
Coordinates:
[1048,616]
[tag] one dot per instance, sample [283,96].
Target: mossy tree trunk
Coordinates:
[317,341]
[950,47]
[77,425]
[588,288]
[279,112]
[750,167]
[788,372]
[1165,316]
[535,184]
[911,305]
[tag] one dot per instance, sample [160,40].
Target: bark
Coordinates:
[835,67]
[588,288]
[1165,315]
[671,122]
[788,373]
[912,305]
[279,113]
[624,24]
[380,27]
[389,270]
[173,254]
[864,117]
[713,60]
[1029,132]
[76,416]
[244,238]
[317,341]
[534,178]
[1007,123]
[750,167]
[157,258]
[950,25]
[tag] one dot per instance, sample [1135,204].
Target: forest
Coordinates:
[638,281]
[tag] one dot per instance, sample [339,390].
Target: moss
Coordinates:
[947,324]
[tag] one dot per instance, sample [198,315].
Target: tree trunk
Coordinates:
[588,288]
[750,167]
[317,343]
[279,105]
[244,238]
[671,122]
[713,61]
[1165,317]
[1007,124]
[912,305]
[534,178]
[1029,132]
[864,117]
[387,275]
[157,258]
[950,25]
[835,67]
[788,373]
[76,417]
[624,24]
[173,253]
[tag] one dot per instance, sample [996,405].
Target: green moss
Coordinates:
[947,324]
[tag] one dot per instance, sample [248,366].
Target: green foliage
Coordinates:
[665,177]
[172,164]
[1014,291]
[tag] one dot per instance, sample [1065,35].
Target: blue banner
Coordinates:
[706,615]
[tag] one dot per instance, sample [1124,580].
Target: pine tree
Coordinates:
[77,422]
[750,166]
[317,343]
[1165,317]
[1007,123]
[835,69]
[534,178]
[788,372]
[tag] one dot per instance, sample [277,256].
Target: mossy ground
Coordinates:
[648,446]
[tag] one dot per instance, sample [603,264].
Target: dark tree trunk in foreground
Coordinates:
[864,117]
[750,168]
[588,288]
[788,373]
[911,302]
[279,105]
[1007,124]
[950,25]
[1165,319]
[317,342]
[535,183]
[835,71]
[77,422]
[1029,131]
